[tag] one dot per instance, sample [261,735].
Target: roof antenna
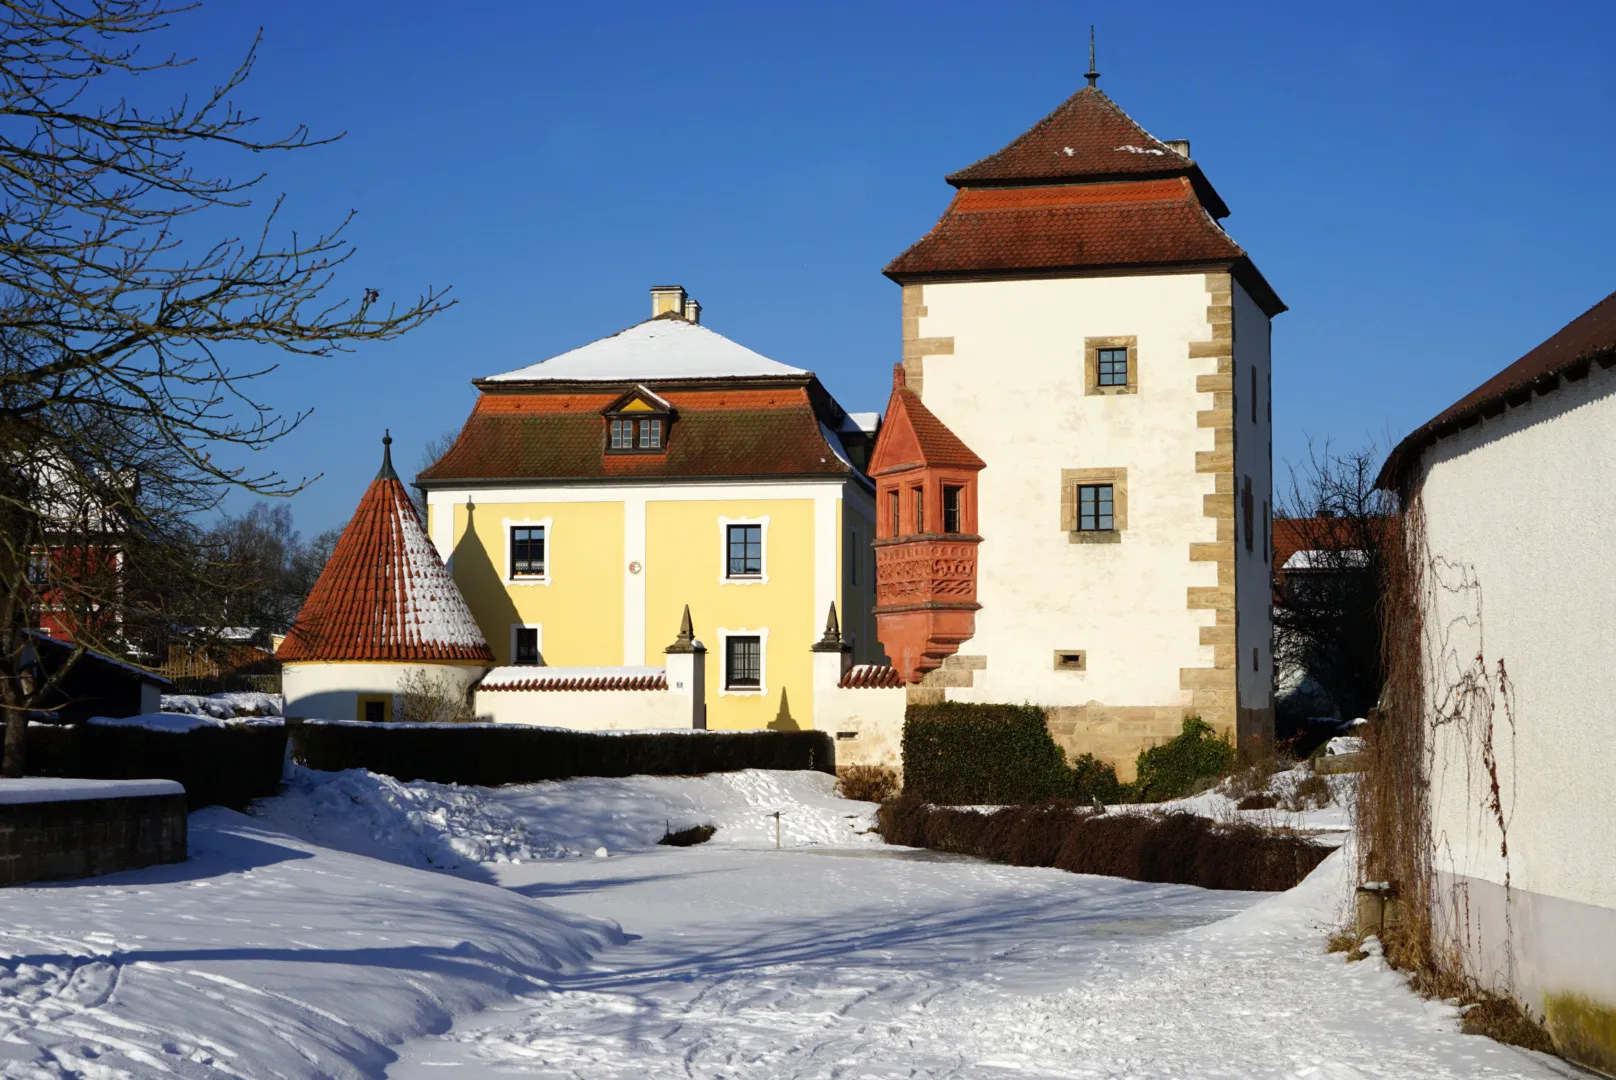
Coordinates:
[1093,76]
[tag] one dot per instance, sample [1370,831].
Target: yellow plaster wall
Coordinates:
[684,562]
[581,609]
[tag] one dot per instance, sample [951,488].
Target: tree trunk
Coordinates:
[16,743]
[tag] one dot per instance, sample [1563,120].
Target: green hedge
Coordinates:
[959,754]
[224,766]
[488,755]
[1197,756]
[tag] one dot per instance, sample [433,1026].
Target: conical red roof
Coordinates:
[384,594]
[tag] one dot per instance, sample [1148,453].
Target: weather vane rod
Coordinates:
[1092,76]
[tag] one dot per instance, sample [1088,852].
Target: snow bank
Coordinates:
[173,722]
[38,789]
[455,828]
[263,957]
[223,706]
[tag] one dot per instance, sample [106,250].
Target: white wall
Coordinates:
[1254,452]
[586,710]
[866,724]
[1013,390]
[1519,514]
[330,691]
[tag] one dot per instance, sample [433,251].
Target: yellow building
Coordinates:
[593,496]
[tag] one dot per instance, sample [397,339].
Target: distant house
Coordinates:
[1510,500]
[96,684]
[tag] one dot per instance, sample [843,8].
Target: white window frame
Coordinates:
[762,688]
[505,550]
[723,551]
[515,626]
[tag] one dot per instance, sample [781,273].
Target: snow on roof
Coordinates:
[1326,560]
[862,421]
[660,348]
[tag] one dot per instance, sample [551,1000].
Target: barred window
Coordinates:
[527,551]
[1094,508]
[1113,367]
[743,663]
[745,551]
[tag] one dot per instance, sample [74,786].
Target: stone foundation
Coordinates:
[1114,733]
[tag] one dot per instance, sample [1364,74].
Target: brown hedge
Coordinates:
[1180,849]
[489,755]
[224,766]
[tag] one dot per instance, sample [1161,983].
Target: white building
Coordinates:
[1516,488]
[1079,320]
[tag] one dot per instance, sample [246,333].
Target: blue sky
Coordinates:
[1427,185]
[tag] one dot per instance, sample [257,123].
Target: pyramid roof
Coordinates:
[912,436]
[384,594]
[665,347]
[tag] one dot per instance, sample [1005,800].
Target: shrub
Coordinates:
[489,755]
[432,697]
[1176,768]
[1095,782]
[225,766]
[696,834]
[957,753]
[1166,848]
[1261,800]
[1312,792]
[867,783]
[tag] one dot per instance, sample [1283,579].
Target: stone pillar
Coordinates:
[687,671]
[832,656]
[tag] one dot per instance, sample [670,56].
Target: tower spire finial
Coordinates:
[386,472]
[1092,76]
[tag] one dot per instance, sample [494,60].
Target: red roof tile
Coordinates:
[715,433]
[572,681]
[912,436]
[870,677]
[1088,137]
[1589,338]
[384,593]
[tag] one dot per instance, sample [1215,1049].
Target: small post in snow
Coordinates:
[777,830]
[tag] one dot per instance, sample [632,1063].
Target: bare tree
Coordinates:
[127,393]
[1326,607]
[430,453]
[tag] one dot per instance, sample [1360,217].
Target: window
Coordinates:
[626,434]
[852,556]
[1247,513]
[951,509]
[1267,531]
[920,510]
[744,551]
[743,663]
[1094,508]
[1254,393]
[1113,367]
[375,708]
[526,652]
[38,568]
[897,518]
[527,551]
[1071,660]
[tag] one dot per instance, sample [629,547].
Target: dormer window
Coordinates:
[637,423]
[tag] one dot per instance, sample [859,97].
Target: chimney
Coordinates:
[1181,146]
[692,311]
[666,298]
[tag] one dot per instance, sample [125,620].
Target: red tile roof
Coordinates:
[1087,138]
[571,679]
[715,433]
[384,593]
[1587,339]
[912,436]
[870,677]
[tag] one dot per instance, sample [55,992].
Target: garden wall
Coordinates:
[223,764]
[51,830]
[489,755]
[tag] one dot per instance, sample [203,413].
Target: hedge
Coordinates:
[1180,849]
[488,755]
[963,754]
[224,766]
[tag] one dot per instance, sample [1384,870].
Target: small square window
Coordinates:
[1113,367]
[1094,508]
[744,551]
[527,551]
[951,509]
[743,663]
[527,646]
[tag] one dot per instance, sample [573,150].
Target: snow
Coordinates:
[224,706]
[39,789]
[1130,148]
[1329,824]
[178,723]
[654,350]
[866,422]
[1344,744]
[1326,560]
[271,955]
[834,441]
[430,607]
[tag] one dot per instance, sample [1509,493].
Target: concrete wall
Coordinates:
[1254,454]
[1519,513]
[330,691]
[77,838]
[867,724]
[587,710]
[1002,363]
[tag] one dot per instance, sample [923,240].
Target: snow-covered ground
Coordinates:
[224,706]
[1328,824]
[273,953]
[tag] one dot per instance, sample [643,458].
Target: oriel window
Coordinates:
[1094,508]
[527,551]
[745,551]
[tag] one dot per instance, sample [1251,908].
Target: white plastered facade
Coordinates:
[1518,515]
[1011,385]
[330,690]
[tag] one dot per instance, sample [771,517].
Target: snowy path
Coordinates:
[809,964]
